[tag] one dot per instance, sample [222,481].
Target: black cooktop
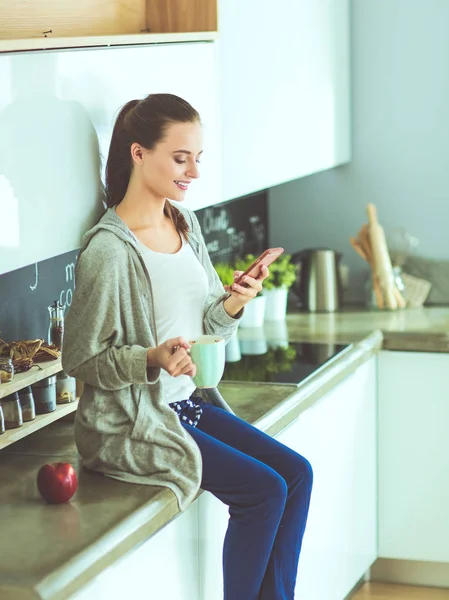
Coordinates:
[258,361]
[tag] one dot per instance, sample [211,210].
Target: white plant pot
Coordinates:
[276,304]
[232,350]
[276,333]
[253,341]
[254,313]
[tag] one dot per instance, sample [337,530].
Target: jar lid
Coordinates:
[46,382]
[25,390]
[62,375]
[13,396]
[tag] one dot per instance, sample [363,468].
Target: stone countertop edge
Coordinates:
[320,383]
[416,341]
[135,529]
[149,518]
[80,570]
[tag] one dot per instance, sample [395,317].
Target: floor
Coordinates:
[388,591]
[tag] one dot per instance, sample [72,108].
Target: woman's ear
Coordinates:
[137,153]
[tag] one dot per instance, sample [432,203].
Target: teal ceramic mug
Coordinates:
[208,355]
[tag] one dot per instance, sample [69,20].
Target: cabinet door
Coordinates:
[164,567]
[92,80]
[69,100]
[284,90]
[213,522]
[338,436]
[414,456]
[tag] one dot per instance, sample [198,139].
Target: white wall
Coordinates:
[400,102]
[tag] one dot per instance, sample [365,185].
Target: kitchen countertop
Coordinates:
[51,551]
[417,330]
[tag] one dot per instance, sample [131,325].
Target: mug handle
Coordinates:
[175,348]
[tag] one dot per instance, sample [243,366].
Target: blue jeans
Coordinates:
[267,487]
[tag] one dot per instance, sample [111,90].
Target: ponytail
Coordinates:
[177,218]
[119,164]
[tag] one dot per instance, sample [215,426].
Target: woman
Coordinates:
[144,286]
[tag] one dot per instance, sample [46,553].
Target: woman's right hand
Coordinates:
[172,356]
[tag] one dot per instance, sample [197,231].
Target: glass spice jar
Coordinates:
[65,388]
[27,404]
[2,421]
[56,328]
[12,411]
[6,370]
[44,393]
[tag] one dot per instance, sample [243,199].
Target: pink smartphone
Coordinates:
[266,258]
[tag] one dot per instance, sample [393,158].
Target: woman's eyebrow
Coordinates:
[185,152]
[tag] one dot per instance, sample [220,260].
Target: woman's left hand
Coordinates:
[244,294]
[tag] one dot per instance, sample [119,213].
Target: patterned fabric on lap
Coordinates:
[189,411]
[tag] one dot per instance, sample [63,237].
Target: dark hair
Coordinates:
[143,122]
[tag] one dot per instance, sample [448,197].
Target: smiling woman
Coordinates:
[161,136]
[145,286]
[152,134]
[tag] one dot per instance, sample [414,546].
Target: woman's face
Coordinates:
[169,168]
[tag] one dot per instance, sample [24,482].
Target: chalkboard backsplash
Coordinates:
[231,229]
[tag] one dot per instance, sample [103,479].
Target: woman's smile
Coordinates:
[183,185]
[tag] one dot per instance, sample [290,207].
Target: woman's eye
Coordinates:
[182,162]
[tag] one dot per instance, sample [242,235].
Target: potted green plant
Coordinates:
[225,272]
[255,310]
[282,276]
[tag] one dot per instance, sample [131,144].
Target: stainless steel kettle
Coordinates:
[318,285]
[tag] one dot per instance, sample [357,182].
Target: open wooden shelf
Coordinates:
[21,380]
[49,24]
[14,435]
[105,41]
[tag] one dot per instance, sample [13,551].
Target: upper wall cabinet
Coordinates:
[61,106]
[64,23]
[285,90]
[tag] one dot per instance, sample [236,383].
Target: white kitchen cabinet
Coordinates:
[414,456]
[70,99]
[163,567]
[284,90]
[213,522]
[338,436]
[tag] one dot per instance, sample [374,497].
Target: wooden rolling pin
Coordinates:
[381,258]
[365,241]
[366,255]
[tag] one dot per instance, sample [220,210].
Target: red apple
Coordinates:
[57,482]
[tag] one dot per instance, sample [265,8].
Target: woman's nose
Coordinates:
[193,171]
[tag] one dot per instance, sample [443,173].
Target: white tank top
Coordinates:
[180,287]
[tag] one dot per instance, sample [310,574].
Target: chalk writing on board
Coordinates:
[36,280]
[234,229]
[232,244]
[66,295]
[212,222]
[237,240]
[213,246]
[258,228]
[70,272]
